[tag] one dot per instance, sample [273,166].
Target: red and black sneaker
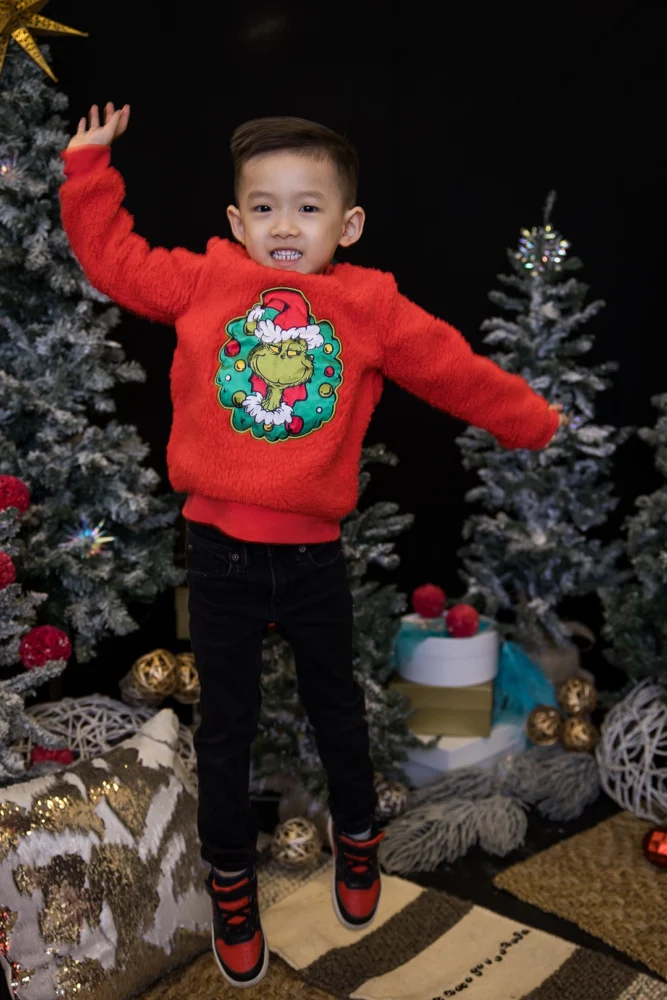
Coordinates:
[356,877]
[239,944]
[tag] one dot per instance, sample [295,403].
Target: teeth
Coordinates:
[286,254]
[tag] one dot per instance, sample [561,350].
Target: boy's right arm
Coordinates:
[155,283]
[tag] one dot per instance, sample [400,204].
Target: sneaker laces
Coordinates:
[235,910]
[360,864]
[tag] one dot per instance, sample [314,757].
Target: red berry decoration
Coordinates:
[38,754]
[232,348]
[14,493]
[42,644]
[462,621]
[429,600]
[295,426]
[655,846]
[7,570]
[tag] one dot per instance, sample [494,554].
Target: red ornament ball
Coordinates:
[14,493]
[232,348]
[7,570]
[42,644]
[462,621]
[328,371]
[38,754]
[655,846]
[429,600]
[295,426]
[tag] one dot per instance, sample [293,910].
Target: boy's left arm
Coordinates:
[431,359]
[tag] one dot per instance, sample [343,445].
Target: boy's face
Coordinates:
[291,213]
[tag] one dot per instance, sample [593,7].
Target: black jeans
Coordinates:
[236,589]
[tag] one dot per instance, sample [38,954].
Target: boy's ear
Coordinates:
[234,217]
[353,226]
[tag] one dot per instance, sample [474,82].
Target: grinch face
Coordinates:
[283,365]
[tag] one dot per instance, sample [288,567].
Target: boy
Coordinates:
[274,380]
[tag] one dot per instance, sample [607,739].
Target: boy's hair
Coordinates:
[271,135]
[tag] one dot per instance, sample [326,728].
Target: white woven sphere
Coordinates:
[632,751]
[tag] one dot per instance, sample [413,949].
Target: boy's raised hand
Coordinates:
[115,123]
[562,418]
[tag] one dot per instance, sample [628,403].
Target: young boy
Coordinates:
[279,364]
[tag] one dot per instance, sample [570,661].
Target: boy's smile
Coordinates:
[291,213]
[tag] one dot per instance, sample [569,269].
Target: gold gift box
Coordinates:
[447,711]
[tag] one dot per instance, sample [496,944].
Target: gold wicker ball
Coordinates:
[187,679]
[392,797]
[296,843]
[577,696]
[154,675]
[543,725]
[580,734]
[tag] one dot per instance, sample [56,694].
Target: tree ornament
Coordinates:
[88,541]
[655,846]
[14,493]
[392,797]
[42,644]
[155,676]
[543,725]
[429,600]
[579,734]
[40,753]
[296,843]
[18,18]
[577,696]
[7,570]
[462,621]
[187,679]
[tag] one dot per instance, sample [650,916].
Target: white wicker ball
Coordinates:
[632,751]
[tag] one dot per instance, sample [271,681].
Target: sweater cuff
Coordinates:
[82,159]
[550,431]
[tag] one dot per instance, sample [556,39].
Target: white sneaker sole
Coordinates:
[233,982]
[334,898]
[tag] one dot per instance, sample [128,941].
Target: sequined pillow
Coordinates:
[101,882]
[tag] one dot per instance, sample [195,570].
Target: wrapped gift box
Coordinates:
[426,765]
[448,711]
[426,654]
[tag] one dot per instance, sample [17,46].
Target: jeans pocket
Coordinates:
[325,553]
[207,555]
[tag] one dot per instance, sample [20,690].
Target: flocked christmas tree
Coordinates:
[285,744]
[636,613]
[43,651]
[534,543]
[98,536]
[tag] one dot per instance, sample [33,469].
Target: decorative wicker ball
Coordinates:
[632,752]
[187,679]
[392,797]
[577,696]
[579,734]
[543,725]
[296,843]
[155,675]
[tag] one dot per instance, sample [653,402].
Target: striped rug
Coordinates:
[428,945]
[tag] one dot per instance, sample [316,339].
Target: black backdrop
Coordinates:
[463,126]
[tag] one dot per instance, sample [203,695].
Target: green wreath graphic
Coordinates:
[280,368]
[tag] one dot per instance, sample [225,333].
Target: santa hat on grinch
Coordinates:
[283,315]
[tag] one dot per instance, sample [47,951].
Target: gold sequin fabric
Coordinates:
[101,882]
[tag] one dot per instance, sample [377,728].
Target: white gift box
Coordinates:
[425,765]
[444,661]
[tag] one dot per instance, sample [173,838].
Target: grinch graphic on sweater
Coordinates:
[280,369]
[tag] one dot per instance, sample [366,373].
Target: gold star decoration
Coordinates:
[18,18]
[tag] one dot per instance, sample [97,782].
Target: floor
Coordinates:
[472,877]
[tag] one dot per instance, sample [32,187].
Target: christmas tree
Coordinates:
[285,744]
[43,651]
[98,537]
[636,614]
[532,546]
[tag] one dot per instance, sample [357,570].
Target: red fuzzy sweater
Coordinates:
[276,374]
